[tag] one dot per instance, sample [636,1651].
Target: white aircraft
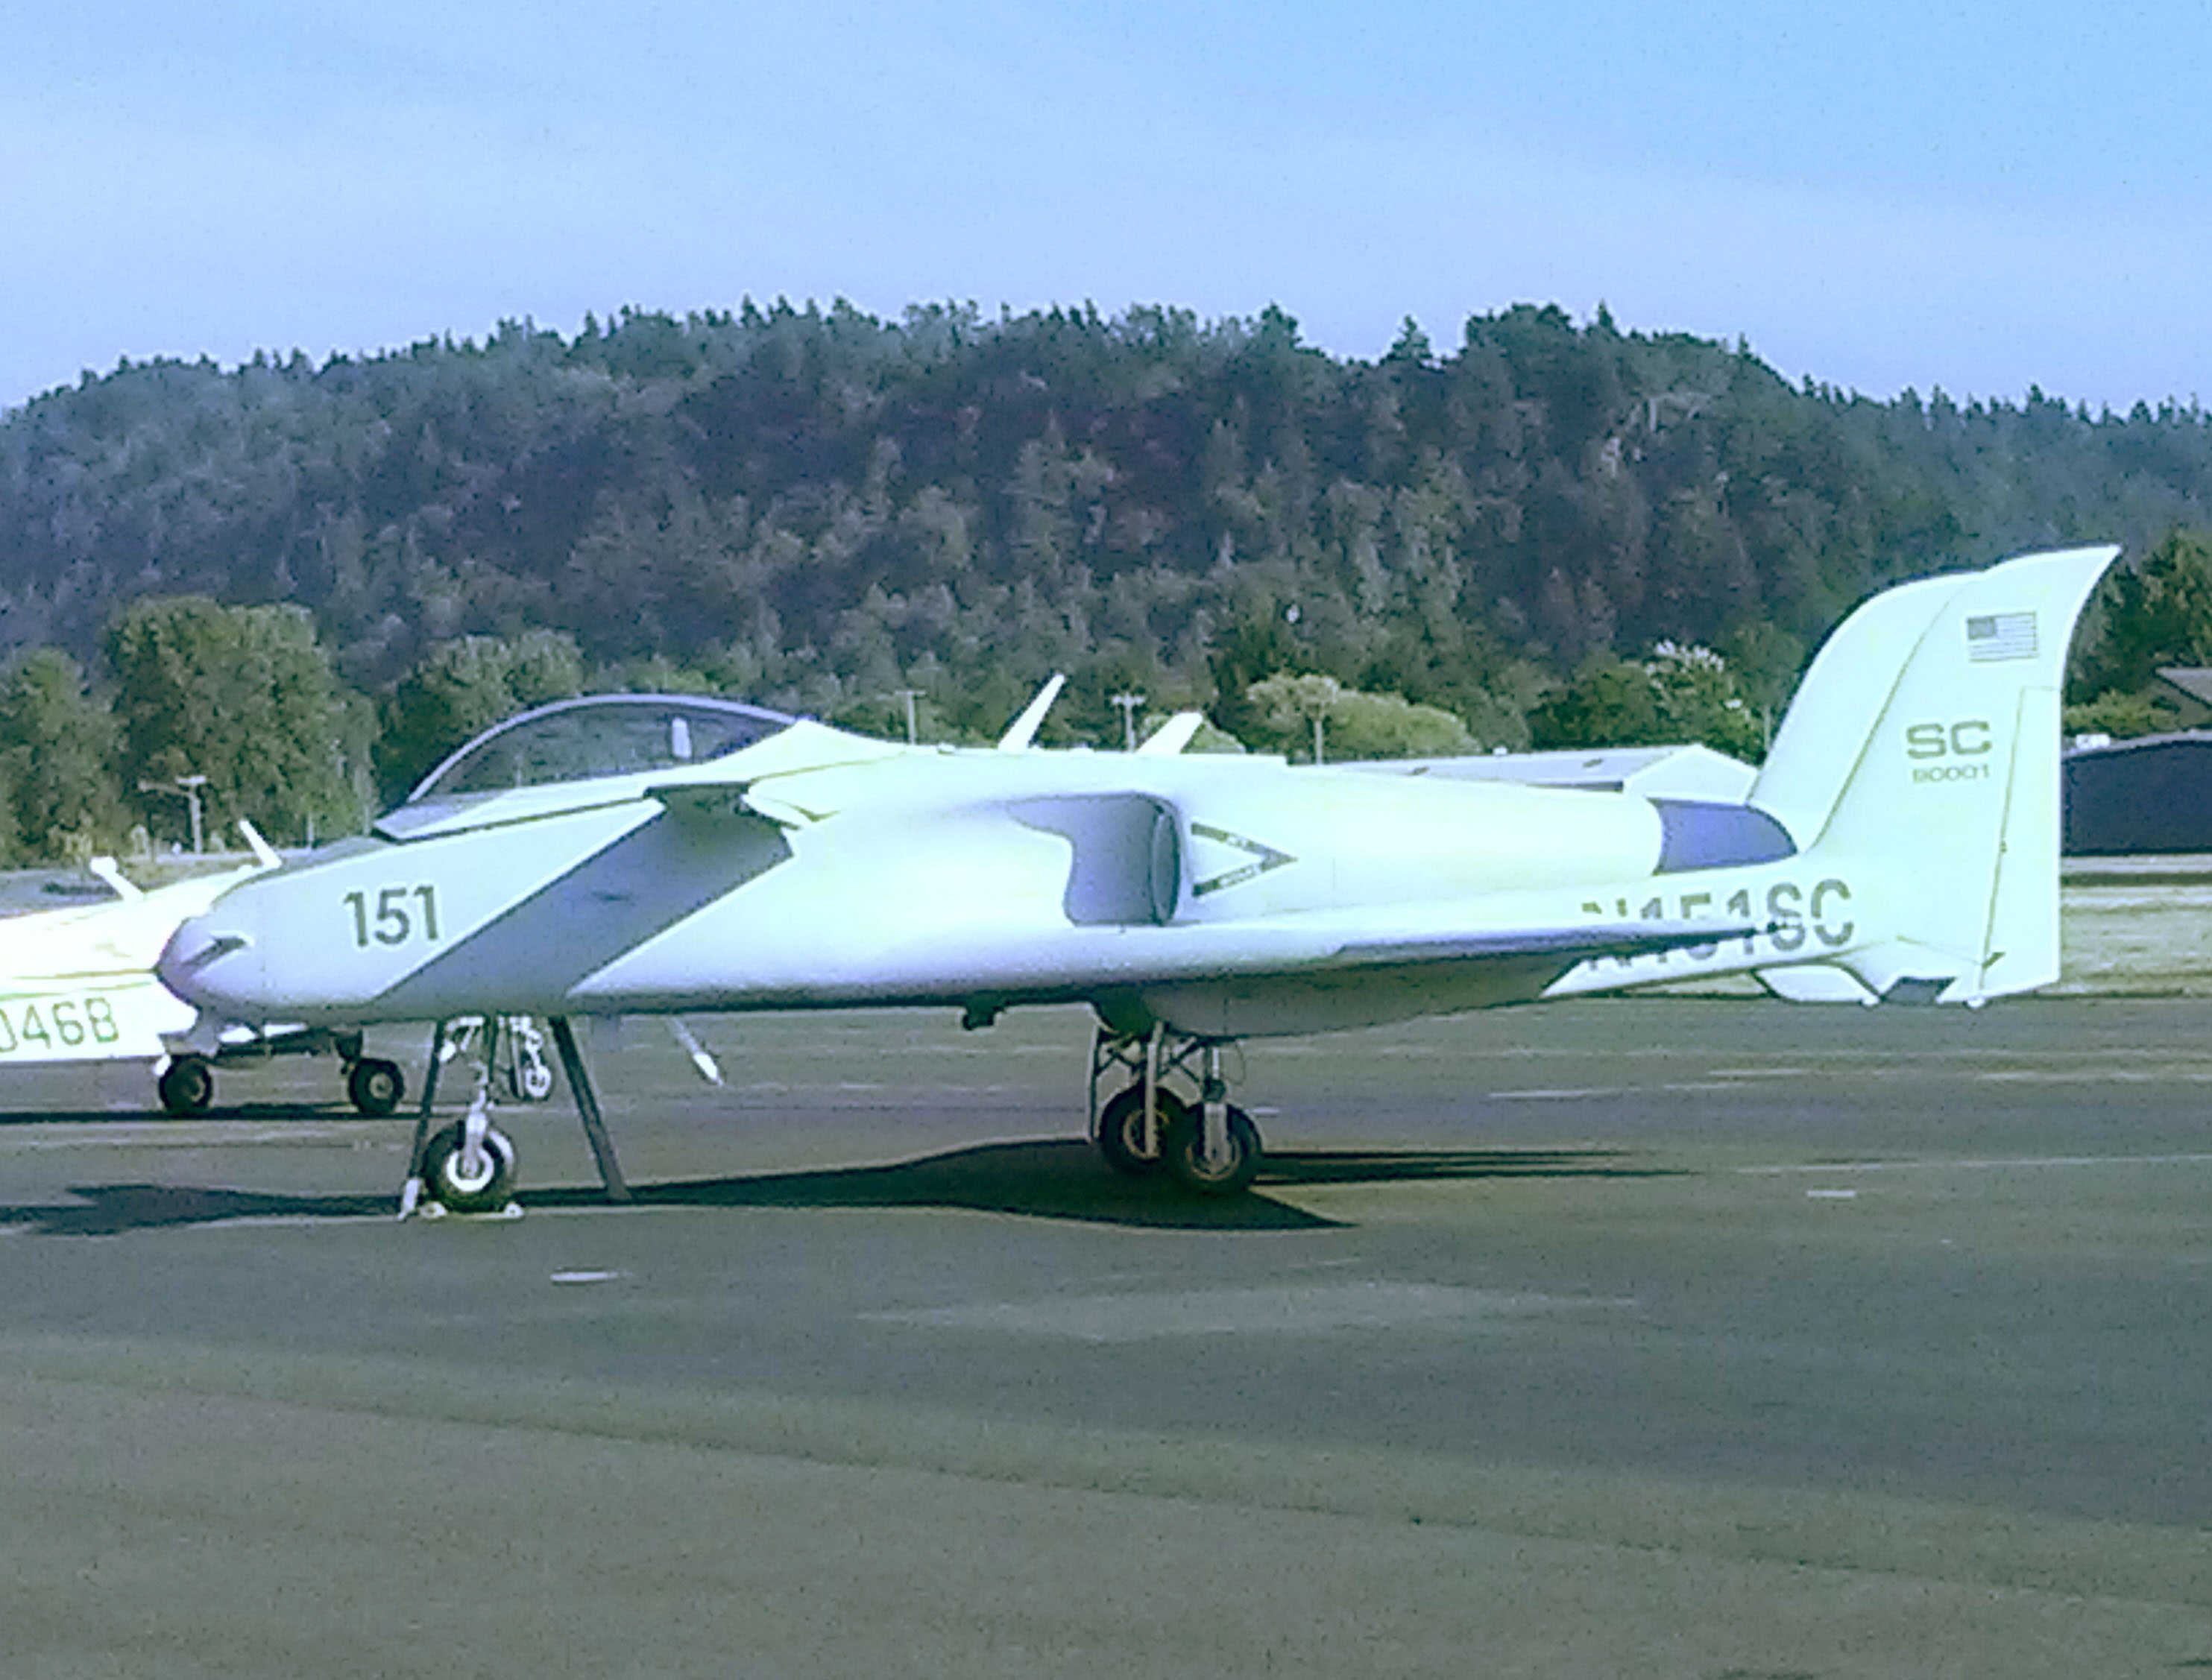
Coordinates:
[663,854]
[78,985]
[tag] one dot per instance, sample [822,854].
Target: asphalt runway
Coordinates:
[1672,1336]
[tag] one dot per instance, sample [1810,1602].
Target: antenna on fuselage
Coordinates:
[117,883]
[1173,735]
[1024,729]
[264,853]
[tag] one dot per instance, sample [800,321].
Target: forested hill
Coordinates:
[821,508]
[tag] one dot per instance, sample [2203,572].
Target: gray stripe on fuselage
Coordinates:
[643,884]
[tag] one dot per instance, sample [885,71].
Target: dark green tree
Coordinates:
[1680,695]
[2158,613]
[11,850]
[1285,710]
[460,688]
[56,754]
[1610,703]
[243,696]
[817,508]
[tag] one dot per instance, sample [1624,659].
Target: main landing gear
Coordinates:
[374,1086]
[1202,1140]
[1208,1145]
[468,1167]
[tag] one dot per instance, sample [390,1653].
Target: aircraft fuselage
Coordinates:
[820,870]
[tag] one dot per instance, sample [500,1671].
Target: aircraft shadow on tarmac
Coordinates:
[110,1209]
[1038,1181]
[272,1113]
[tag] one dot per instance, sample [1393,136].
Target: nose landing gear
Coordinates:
[468,1167]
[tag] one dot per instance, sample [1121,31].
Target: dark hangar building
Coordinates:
[2152,794]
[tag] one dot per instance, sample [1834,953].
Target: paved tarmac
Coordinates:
[1675,1337]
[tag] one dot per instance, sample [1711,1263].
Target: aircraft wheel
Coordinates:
[1121,1129]
[532,1082]
[483,1189]
[375,1087]
[187,1086]
[1183,1145]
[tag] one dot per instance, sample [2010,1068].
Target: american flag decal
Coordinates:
[2001,636]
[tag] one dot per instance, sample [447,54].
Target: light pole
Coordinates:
[907,695]
[1317,697]
[188,789]
[1130,705]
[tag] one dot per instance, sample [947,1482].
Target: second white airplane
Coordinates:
[640,854]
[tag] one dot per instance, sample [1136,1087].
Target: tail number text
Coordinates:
[1791,912]
[65,1024]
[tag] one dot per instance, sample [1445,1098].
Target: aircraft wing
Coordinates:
[1445,949]
[1290,973]
[1573,943]
[1451,936]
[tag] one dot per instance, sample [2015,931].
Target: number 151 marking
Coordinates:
[391,921]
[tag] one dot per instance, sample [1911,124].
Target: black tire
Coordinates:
[187,1086]
[1183,1145]
[375,1087]
[1122,1126]
[458,1192]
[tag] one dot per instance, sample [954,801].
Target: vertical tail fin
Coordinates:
[1923,749]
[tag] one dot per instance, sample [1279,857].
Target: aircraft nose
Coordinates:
[191,963]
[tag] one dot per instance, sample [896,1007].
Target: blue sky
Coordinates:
[1973,196]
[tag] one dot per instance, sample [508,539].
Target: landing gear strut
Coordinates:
[587,1110]
[469,1167]
[1209,1145]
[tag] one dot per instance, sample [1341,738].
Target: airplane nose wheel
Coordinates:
[466,1178]
[469,1167]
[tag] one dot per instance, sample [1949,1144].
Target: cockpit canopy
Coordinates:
[599,735]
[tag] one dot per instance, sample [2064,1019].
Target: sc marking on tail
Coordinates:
[1962,749]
